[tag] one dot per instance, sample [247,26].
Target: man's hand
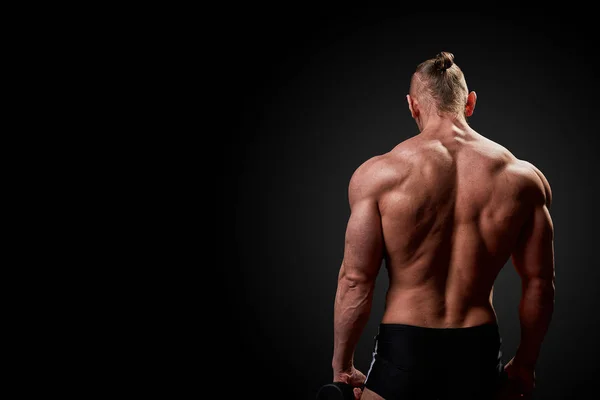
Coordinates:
[521,380]
[353,377]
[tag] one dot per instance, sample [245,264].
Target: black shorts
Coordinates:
[412,362]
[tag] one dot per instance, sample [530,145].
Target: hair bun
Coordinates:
[444,60]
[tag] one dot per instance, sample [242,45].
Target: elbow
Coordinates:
[357,281]
[353,277]
[539,283]
[543,288]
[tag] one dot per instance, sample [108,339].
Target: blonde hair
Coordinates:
[440,82]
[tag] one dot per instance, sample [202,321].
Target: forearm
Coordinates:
[353,302]
[535,313]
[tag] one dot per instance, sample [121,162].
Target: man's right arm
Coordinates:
[533,258]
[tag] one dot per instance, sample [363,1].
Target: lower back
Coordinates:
[430,308]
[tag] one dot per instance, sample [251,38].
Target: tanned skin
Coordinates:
[445,209]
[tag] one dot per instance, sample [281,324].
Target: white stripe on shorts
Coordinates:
[372,362]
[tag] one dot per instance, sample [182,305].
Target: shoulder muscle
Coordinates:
[540,181]
[370,179]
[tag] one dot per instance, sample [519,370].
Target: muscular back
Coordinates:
[452,210]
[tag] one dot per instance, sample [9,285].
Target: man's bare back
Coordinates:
[452,204]
[445,209]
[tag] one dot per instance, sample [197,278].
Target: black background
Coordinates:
[309,95]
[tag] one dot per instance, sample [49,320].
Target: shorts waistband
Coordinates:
[490,328]
[431,329]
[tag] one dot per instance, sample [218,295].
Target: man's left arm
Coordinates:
[363,253]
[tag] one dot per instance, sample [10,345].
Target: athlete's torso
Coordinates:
[451,214]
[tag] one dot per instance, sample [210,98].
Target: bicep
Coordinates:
[363,249]
[533,255]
